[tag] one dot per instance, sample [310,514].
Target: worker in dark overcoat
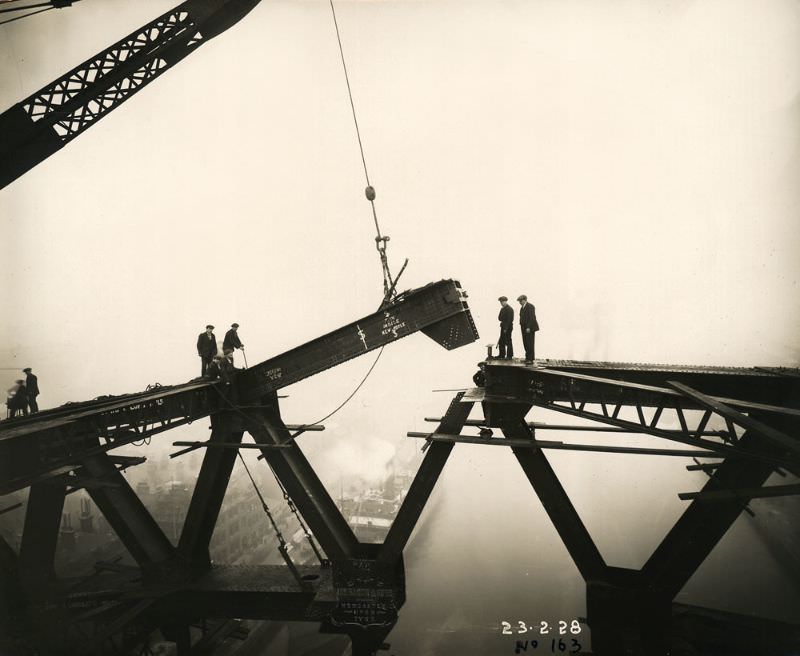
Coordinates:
[32,386]
[232,340]
[529,326]
[17,400]
[206,348]
[506,319]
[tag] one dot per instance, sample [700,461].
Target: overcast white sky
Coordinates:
[631,166]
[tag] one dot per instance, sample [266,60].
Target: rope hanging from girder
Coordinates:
[381,241]
[281,541]
[295,512]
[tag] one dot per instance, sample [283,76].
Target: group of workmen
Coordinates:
[21,396]
[214,365]
[527,323]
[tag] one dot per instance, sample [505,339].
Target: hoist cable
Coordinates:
[380,240]
[352,104]
[352,394]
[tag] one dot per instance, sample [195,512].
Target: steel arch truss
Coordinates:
[627,405]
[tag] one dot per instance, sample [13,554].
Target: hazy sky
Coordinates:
[631,166]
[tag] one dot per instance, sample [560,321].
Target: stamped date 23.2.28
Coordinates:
[544,630]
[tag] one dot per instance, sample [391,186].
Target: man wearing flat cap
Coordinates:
[32,385]
[529,326]
[232,341]
[206,348]
[506,319]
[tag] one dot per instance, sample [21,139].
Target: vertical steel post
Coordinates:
[40,533]
[209,493]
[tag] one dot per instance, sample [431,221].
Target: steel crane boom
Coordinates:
[48,119]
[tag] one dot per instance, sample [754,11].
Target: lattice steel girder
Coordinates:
[48,119]
[570,393]
[56,440]
[439,310]
[731,415]
[532,384]
[424,481]
[775,386]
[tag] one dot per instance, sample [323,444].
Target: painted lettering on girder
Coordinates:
[274,374]
[391,324]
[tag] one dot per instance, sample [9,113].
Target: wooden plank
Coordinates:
[546,444]
[746,494]
[230,445]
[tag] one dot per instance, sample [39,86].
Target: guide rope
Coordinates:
[295,512]
[281,541]
[286,495]
[381,241]
[352,394]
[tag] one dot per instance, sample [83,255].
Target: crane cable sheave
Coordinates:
[381,241]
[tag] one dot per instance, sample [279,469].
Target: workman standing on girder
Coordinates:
[506,319]
[232,341]
[206,348]
[529,326]
[32,387]
[17,400]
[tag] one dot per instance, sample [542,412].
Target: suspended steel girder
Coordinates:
[439,310]
[57,439]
